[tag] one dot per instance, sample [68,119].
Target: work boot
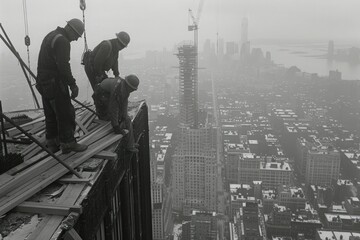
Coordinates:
[72,146]
[53,145]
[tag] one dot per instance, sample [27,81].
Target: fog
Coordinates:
[163,23]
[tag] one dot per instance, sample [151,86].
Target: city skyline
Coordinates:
[163,23]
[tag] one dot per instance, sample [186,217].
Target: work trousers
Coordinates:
[90,73]
[59,115]
[101,102]
[89,70]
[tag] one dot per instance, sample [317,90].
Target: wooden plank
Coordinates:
[48,208]
[106,155]
[14,131]
[29,151]
[27,163]
[81,126]
[74,180]
[4,178]
[55,173]
[69,196]
[49,162]
[39,228]
[72,235]
[37,127]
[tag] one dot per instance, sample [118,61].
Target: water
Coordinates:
[15,93]
[309,57]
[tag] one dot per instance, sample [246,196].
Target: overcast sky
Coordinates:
[154,24]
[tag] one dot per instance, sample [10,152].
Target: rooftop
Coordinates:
[38,194]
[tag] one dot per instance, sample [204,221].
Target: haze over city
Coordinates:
[163,23]
[237,120]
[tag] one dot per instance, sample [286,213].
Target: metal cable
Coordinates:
[27,43]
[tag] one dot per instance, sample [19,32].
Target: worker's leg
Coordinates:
[65,113]
[50,118]
[101,102]
[130,145]
[90,72]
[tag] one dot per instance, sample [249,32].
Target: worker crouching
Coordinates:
[111,102]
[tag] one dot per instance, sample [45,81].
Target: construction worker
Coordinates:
[105,57]
[111,102]
[54,78]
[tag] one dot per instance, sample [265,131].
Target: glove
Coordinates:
[74,91]
[119,130]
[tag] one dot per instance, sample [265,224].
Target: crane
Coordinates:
[195,22]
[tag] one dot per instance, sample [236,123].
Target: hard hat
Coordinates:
[76,25]
[124,38]
[132,81]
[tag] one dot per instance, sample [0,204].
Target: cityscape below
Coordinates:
[243,147]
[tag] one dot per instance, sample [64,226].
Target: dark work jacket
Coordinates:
[118,103]
[105,57]
[54,57]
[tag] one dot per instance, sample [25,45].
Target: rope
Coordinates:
[85,40]
[86,48]
[27,41]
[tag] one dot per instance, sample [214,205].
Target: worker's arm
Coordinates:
[115,67]
[100,58]
[114,106]
[118,109]
[62,57]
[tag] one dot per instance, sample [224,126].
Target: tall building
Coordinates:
[248,223]
[195,171]
[160,195]
[322,166]
[232,48]
[331,49]
[188,85]
[220,47]
[244,30]
[194,179]
[202,226]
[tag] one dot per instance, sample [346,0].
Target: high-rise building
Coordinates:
[160,194]
[244,30]
[248,223]
[322,166]
[195,171]
[188,85]
[232,48]
[331,49]
[220,47]
[202,226]
[194,179]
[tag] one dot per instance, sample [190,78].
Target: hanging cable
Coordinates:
[86,49]
[27,44]
[83,7]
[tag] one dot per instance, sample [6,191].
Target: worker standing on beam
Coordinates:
[105,57]
[54,78]
[111,102]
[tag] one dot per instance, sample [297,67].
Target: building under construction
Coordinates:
[108,197]
[188,85]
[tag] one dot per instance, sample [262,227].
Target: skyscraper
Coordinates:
[194,179]
[244,30]
[195,171]
[322,166]
[188,85]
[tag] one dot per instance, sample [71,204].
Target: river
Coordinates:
[309,57]
[15,94]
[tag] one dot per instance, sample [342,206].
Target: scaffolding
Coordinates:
[188,85]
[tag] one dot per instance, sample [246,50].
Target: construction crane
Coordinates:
[195,26]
